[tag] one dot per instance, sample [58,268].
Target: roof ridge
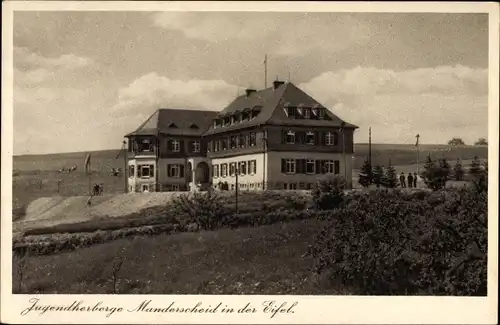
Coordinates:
[157,111]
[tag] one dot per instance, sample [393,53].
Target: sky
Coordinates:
[82,80]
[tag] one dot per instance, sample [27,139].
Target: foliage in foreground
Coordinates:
[391,243]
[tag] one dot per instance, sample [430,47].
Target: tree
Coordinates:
[366,174]
[475,168]
[378,175]
[435,176]
[456,142]
[458,171]
[390,177]
[445,169]
[481,142]
[328,193]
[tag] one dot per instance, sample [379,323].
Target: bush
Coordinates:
[206,209]
[390,243]
[436,176]
[329,193]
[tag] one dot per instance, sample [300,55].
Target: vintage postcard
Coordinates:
[249,162]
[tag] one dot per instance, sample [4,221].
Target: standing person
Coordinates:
[402,180]
[410,180]
[101,188]
[415,180]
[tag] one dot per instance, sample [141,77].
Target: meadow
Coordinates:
[37,176]
[277,243]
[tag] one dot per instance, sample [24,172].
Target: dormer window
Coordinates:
[290,137]
[173,126]
[307,113]
[193,126]
[290,112]
[310,138]
[321,112]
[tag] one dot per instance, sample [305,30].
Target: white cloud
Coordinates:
[437,103]
[153,91]
[284,33]
[23,56]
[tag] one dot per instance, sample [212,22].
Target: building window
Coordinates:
[215,171]
[328,167]
[145,145]
[176,147]
[252,139]
[243,168]
[131,171]
[285,186]
[232,169]
[288,166]
[175,187]
[233,142]
[310,167]
[290,111]
[252,167]
[223,170]
[292,186]
[196,146]
[337,167]
[174,170]
[321,113]
[310,137]
[145,171]
[216,145]
[290,137]
[329,139]
[335,139]
[242,141]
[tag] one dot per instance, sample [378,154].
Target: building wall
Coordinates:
[135,183]
[164,180]
[247,180]
[277,179]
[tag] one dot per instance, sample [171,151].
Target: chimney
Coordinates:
[277,83]
[249,91]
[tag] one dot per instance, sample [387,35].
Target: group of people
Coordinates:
[97,189]
[412,180]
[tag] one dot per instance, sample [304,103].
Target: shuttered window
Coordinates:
[337,167]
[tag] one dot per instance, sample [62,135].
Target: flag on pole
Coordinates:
[87,164]
[265,59]
[418,137]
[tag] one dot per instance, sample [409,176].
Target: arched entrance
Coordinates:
[202,173]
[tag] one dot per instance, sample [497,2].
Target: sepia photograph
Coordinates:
[250,153]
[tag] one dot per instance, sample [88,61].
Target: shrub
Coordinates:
[435,176]
[206,209]
[329,193]
[390,243]
[365,176]
[390,178]
[458,171]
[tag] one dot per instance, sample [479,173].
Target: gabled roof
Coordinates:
[176,122]
[271,102]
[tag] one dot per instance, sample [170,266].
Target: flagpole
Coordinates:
[370,153]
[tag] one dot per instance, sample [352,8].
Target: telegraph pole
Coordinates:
[418,154]
[370,152]
[265,72]
[237,170]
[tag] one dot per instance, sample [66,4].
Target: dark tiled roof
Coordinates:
[271,102]
[187,122]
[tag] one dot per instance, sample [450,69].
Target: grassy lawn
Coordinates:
[262,260]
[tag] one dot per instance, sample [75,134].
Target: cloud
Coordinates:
[24,57]
[277,33]
[153,91]
[438,103]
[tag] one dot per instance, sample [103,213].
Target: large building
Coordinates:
[275,138]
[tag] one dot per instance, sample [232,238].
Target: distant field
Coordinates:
[37,175]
